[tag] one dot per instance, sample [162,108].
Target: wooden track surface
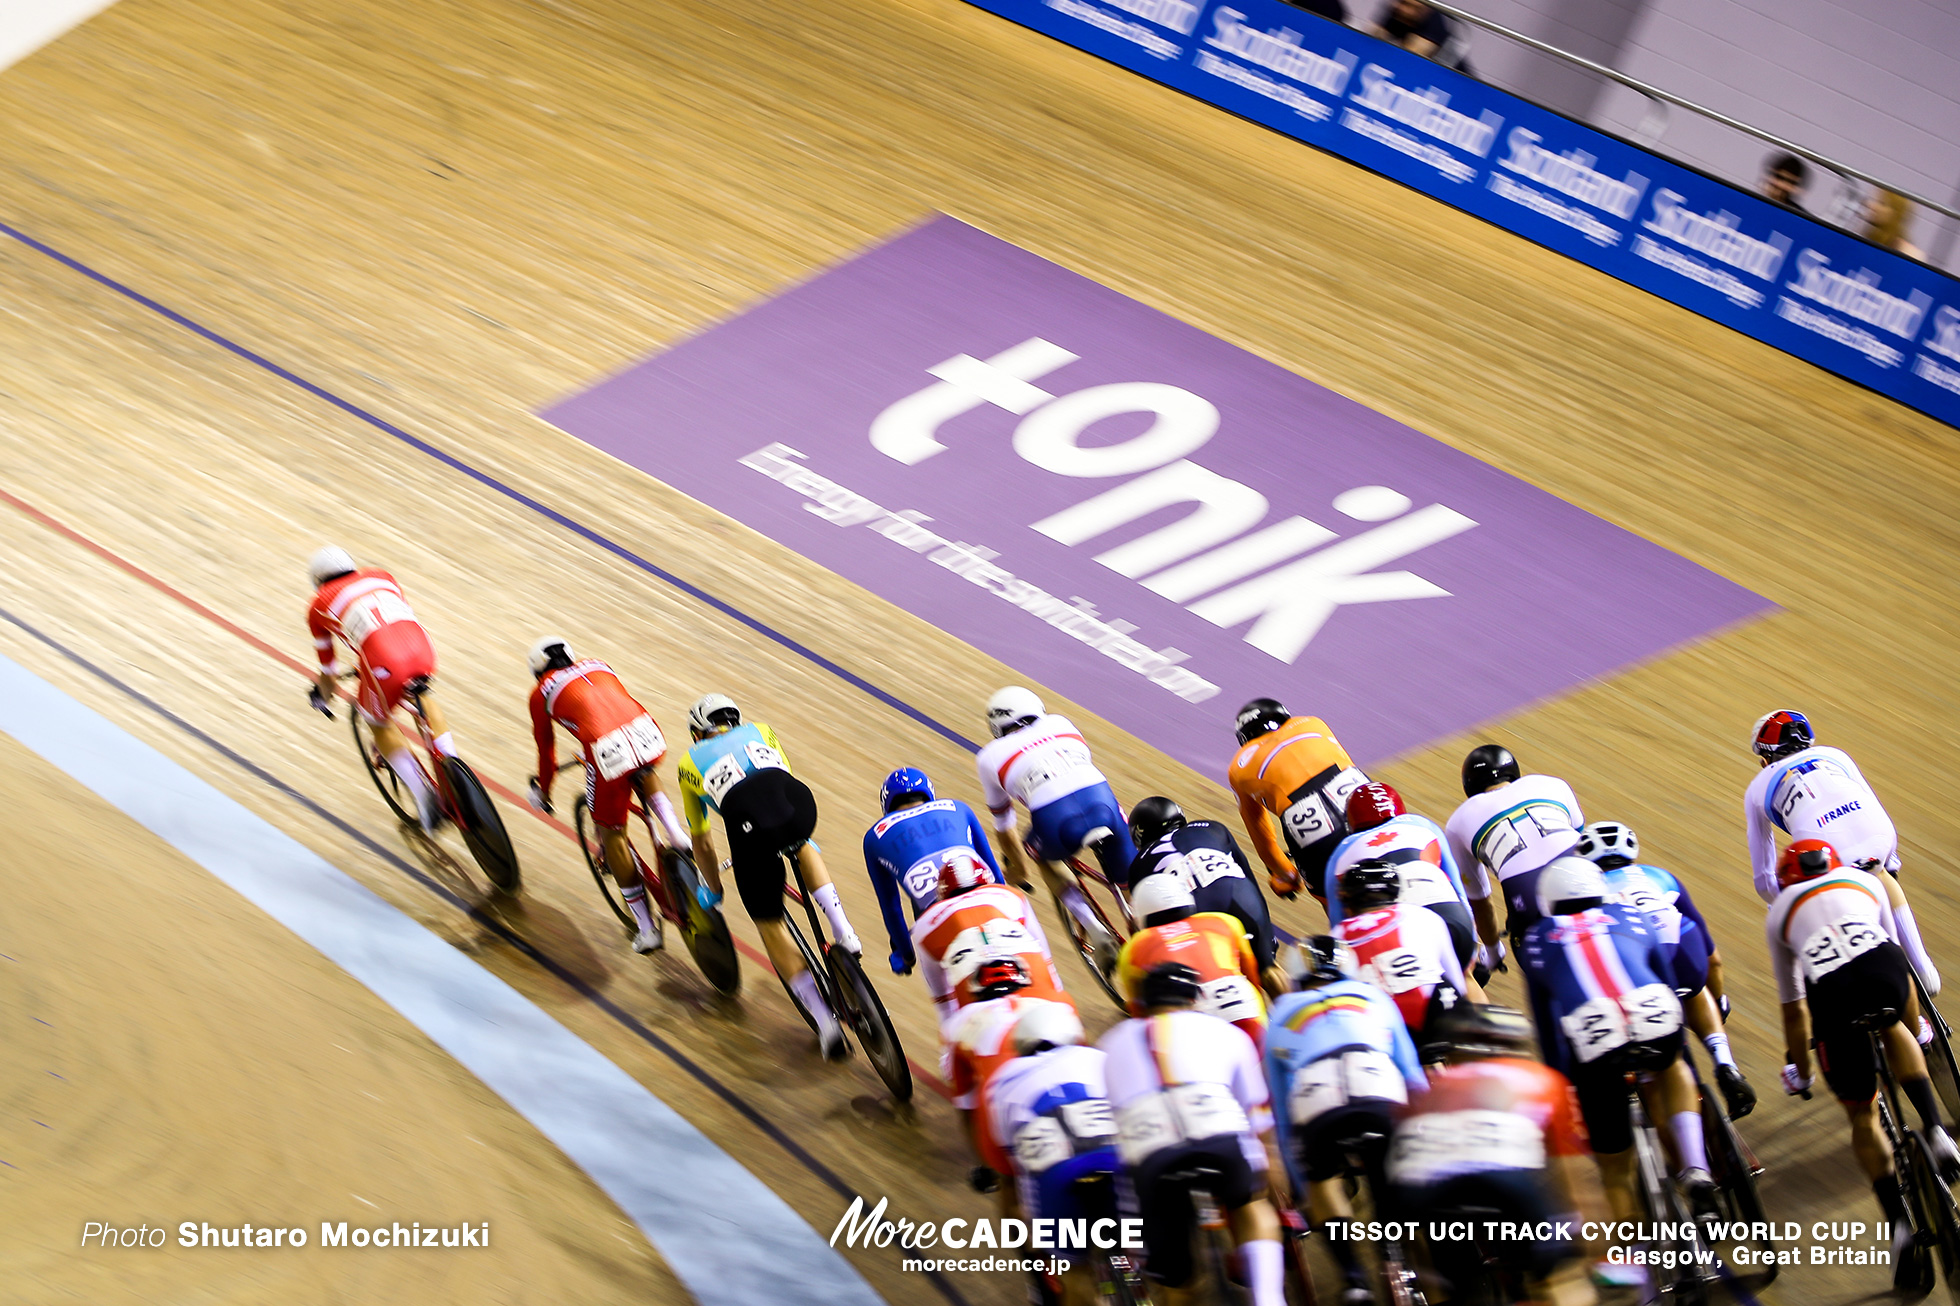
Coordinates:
[453,214]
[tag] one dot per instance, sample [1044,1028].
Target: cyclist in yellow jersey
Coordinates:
[1292,770]
[741,771]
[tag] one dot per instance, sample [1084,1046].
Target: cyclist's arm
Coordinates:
[978,833]
[1258,921]
[1280,1085]
[1000,804]
[1485,917]
[888,902]
[1685,904]
[1446,953]
[1247,963]
[1796,1036]
[1259,827]
[1403,1053]
[1762,842]
[545,734]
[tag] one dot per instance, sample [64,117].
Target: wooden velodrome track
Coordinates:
[449,215]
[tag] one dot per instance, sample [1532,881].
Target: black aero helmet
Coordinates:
[1473,1029]
[1151,818]
[1260,716]
[1173,984]
[1486,765]
[1368,884]
[1324,959]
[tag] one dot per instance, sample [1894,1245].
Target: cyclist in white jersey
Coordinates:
[1809,791]
[1193,1109]
[1040,760]
[1510,826]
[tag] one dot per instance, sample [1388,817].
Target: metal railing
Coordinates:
[1658,100]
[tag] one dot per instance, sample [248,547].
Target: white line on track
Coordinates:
[729,1239]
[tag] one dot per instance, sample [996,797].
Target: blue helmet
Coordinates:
[905,780]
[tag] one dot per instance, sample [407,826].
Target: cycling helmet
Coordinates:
[1012,708]
[1569,884]
[1260,716]
[1170,984]
[1369,884]
[1806,859]
[1324,959]
[996,977]
[548,654]
[1781,733]
[961,872]
[328,563]
[1046,1025]
[1486,765]
[1472,1029]
[1152,819]
[1162,897]
[1373,804]
[712,712]
[903,783]
[1608,845]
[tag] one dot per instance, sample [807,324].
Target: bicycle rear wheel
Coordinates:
[386,782]
[482,827]
[865,1014]
[1939,1055]
[705,930]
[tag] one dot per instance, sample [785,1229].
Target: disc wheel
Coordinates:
[386,782]
[705,930]
[482,827]
[865,1013]
[595,861]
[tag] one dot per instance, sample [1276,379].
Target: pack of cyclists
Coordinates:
[1257,1077]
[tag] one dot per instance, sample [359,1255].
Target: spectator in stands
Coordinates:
[1887,215]
[1784,177]
[1333,9]
[1421,30]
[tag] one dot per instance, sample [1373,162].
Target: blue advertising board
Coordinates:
[1864,313]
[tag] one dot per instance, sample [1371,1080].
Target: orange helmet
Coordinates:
[1806,859]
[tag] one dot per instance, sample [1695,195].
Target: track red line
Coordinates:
[512,799]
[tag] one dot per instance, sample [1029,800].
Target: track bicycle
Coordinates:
[1096,888]
[1682,1239]
[1931,1213]
[1735,1170]
[1113,1272]
[1211,1238]
[845,987]
[462,798]
[672,888]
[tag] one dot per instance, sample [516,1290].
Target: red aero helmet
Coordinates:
[1806,859]
[959,873]
[1373,804]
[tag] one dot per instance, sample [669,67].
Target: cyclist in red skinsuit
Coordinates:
[622,745]
[364,608]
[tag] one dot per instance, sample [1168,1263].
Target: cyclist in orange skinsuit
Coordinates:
[976,921]
[1210,943]
[622,744]
[1292,769]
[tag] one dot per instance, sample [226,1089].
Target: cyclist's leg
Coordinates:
[809,860]
[653,796]
[756,847]
[607,800]
[1602,1095]
[376,700]
[1056,831]
[1253,1219]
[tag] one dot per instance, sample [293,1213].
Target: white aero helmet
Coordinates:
[327,563]
[539,658]
[1162,891]
[711,712]
[1604,839]
[1046,1025]
[1012,708]
[1567,878]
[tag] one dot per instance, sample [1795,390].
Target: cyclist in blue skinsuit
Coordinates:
[904,851]
[1341,1065]
[1663,899]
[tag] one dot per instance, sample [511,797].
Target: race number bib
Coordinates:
[1639,893]
[1424,883]
[1323,812]
[978,943]
[1831,947]
[1528,827]
[1089,1121]
[1605,1023]
[636,744]
[921,880]
[371,612]
[1811,784]
[729,770]
[1181,1113]
[1229,997]
[1397,970]
[1208,866]
[1431,1147]
[1052,760]
[1331,1082]
[1042,1144]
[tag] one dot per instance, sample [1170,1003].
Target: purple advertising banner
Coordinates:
[1136,514]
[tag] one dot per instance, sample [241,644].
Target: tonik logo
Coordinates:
[1212,560]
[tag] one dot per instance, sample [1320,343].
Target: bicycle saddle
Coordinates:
[1883,1018]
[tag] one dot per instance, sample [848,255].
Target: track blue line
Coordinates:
[484,478]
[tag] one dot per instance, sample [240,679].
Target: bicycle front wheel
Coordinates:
[1735,1191]
[1085,946]
[865,1013]
[595,862]
[386,782]
[482,827]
